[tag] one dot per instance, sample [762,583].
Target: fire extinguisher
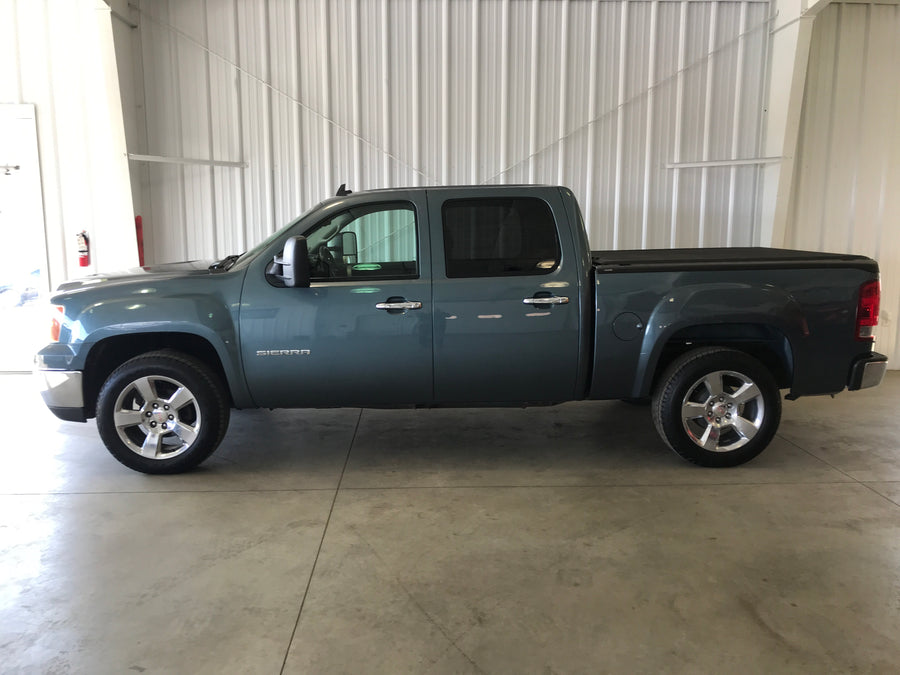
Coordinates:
[84,249]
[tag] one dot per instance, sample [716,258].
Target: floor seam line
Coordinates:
[897,504]
[594,486]
[555,486]
[816,457]
[397,580]
[160,492]
[312,571]
[842,472]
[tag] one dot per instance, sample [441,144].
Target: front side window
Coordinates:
[373,241]
[499,237]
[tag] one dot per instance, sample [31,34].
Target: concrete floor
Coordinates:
[555,540]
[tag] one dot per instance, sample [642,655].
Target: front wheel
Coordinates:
[162,412]
[717,407]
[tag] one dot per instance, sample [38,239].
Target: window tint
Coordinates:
[375,241]
[499,237]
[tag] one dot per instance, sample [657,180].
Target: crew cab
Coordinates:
[458,296]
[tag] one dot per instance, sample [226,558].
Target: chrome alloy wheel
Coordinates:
[157,417]
[722,411]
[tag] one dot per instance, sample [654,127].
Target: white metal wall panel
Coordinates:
[59,56]
[603,96]
[847,188]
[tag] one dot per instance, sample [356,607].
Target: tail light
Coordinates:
[56,321]
[867,310]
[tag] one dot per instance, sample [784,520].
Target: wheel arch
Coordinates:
[767,343]
[109,353]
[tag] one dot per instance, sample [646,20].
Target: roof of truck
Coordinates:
[493,186]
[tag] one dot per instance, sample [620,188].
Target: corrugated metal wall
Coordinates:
[847,189]
[602,96]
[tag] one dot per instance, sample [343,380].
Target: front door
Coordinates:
[506,297]
[361,333]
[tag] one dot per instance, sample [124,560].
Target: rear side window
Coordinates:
[499,237]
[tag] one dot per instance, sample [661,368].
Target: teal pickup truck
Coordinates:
[458,296]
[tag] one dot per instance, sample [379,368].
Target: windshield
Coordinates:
[249,255]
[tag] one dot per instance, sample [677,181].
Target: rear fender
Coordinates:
[710,304]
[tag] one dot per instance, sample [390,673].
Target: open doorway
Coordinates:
[24,286]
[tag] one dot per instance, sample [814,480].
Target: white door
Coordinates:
[23,252]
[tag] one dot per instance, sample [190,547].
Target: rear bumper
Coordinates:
[62,392]
[867,371]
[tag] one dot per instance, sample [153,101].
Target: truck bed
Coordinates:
[723,259]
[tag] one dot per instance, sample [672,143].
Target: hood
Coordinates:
[190,268]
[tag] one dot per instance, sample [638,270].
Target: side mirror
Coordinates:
[349,249]
[294,262]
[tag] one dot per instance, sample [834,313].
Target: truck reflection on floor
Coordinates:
[23,312]
[20,290]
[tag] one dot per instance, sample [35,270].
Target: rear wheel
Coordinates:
[717,407]
[162,412]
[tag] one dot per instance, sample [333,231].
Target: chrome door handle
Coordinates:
[399,305]
[552,300]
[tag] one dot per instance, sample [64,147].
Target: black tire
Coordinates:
[717,428]
[162,412]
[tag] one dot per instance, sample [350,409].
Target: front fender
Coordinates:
[202,315]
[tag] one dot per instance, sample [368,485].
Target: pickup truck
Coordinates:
[458,296]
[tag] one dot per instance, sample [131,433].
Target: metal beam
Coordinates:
[159,159]
[724,162]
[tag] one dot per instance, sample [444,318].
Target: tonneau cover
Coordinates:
[723,259]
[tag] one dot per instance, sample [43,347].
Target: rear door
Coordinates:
[506,296]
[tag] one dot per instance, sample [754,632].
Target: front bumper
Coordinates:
[62,392]
[867,371]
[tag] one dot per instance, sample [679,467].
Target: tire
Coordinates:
[717,407]
[162,412]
